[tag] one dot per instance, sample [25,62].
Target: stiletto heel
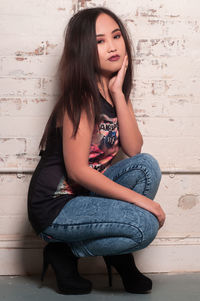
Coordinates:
[64,264]
[44,270]
[133,280]
[109,269]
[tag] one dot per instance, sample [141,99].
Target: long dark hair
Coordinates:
[79,70]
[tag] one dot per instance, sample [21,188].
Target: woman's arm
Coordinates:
[76,153]
[130,136]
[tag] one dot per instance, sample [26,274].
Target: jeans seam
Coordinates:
[136,167]
[81,247]
[134,226]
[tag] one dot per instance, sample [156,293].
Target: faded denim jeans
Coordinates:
[97,226]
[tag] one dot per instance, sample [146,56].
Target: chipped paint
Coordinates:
[83,3]
[143,12]
[160,47]
[38,100]
[49,46]
[2,160]
[38,51]
[21,58]
[43,49]
[13,146]
[188,201]
[174,16]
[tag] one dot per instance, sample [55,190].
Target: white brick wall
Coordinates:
[166,38]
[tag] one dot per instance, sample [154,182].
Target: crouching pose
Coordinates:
[78,202]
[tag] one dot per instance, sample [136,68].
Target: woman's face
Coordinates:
[110,45]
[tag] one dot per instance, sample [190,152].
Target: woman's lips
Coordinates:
[114,58]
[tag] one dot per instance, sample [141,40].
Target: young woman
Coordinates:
[77,202]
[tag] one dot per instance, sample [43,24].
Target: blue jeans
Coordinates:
[96,226]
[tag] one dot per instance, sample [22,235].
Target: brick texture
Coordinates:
[165,97]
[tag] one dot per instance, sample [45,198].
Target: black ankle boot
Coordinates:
[64,264]
[133,280]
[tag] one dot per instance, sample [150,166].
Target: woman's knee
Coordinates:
[150,164]
[149,228]
[143,227]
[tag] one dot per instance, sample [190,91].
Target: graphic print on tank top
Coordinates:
[104,147]
[104,144]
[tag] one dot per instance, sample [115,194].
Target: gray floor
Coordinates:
[165,288]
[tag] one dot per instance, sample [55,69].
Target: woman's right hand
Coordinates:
[159,213]
[152,206]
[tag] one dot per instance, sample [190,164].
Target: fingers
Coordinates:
[161,223]
[124,67]
[125,62]
[160,214]
[119,78]
[161,220]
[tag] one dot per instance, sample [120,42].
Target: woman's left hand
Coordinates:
[116,82]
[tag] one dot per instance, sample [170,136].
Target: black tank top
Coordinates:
[50,187]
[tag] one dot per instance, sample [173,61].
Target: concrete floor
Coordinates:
[166,287]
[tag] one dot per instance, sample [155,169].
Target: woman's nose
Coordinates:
[111,46]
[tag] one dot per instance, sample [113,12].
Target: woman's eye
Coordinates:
[117,36]
[99,41]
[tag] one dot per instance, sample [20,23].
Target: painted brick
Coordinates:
[14,206]
[12,146]
[15,225]
[31,66]
[179,195]
[24,86]
[38,106]
[173,107]
[167,68]
[170,127]
[172,89]
[14,185]
[160,47]
[165,96]
[31,46]
[164,149]
[40,8]
[23,127]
